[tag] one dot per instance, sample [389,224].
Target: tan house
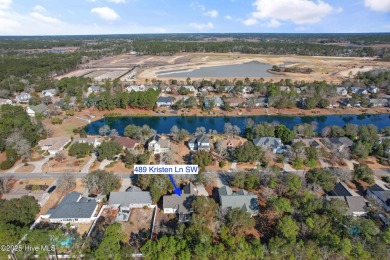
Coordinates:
[54,145]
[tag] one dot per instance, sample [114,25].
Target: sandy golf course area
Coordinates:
[134,68]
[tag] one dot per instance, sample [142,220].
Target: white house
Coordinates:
[272,143]
[5,101]
[23,97]
[72,209]
[136,88]
[158,145]
[373,89]
[199,143]
[93,89]
[49,92]
[90,140]
[341,91]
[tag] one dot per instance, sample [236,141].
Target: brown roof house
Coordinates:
[127,143]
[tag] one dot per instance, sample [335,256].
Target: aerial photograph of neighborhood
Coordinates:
[178,130]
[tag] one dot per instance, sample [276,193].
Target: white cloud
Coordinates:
[211,13]
[5,4]
[105,13]
[197,6]
[296,11]
[117,1]
[228,17]
[273,23]
[378,5]
[39,8]
[202,26]
[45,18]
[250,21]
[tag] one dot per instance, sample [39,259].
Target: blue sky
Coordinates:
[67,17]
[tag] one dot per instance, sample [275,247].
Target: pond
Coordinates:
[252,69]
[163,124]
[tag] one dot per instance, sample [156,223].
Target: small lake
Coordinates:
[252,69]
[163,124]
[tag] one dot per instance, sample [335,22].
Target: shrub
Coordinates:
[6,165]
[56,120]
[222,164]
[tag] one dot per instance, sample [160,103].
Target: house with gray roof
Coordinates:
[381,195]
[199,143]
[378,102]
[23,97]
[33,110]
[158,145]
[73,208]
[270,143]
[340,143]
[181,205]
[218,102]
[355,205]
[132,198]
[165,101]
[242,199]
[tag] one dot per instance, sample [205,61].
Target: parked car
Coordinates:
[51,189]
[92,195]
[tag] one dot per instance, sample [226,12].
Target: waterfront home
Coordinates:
[235,102]
[378,102]
[158,145]
[49,92]
[23,97]
[181,205]
[165,101]
[270,143]
[261,102]
[349,102]
[340,143]
[33,110]
[73,208]
[341,91]
[199,143]
[218,102]
[87,140]
[127,143]
[308,142]
[241,199]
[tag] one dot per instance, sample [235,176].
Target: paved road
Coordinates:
[382,172]
[51,175]
[104,163]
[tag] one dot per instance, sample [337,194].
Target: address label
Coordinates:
[166,169]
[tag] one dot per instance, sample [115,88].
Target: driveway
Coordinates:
[104,163]
[37,164]
[86,167]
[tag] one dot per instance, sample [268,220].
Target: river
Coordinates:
[163,124]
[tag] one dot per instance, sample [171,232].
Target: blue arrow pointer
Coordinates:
[176,189]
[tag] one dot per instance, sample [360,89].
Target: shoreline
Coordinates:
[243,113]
